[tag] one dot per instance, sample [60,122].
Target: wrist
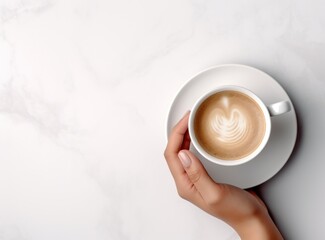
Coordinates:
[258,227]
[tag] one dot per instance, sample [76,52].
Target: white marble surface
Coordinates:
[85,88]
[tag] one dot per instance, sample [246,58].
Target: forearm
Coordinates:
[258,228]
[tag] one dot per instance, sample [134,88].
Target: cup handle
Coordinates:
[279,108]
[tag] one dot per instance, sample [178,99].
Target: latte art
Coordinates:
[229,125]
[230,129]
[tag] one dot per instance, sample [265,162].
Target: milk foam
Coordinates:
[229,125]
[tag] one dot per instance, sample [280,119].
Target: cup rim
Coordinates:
[234,162]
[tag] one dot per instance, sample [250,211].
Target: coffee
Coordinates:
[229,125]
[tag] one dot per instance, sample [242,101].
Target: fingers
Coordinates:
[192,181]
[210,191]
[177,135]
[186,141]
[177,139]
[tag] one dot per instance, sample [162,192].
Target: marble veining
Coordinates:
[85,88]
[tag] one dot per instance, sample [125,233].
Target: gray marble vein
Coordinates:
[85,89]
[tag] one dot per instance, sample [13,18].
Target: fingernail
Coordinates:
[187,112]
[185,159]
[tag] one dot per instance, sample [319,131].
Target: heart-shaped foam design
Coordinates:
[229,126]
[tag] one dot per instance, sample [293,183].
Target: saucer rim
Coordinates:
[278,86]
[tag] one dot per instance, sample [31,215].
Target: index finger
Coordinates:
[177,136]
[174,145]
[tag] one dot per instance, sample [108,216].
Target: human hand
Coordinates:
[241,209]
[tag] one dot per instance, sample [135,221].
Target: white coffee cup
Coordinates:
[269,111]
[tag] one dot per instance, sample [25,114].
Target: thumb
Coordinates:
[197,174]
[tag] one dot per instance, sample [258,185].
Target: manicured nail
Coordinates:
[187,112]
[185,159]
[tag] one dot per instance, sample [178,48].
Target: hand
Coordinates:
[243,210]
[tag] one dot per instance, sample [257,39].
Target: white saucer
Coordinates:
[284,127]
